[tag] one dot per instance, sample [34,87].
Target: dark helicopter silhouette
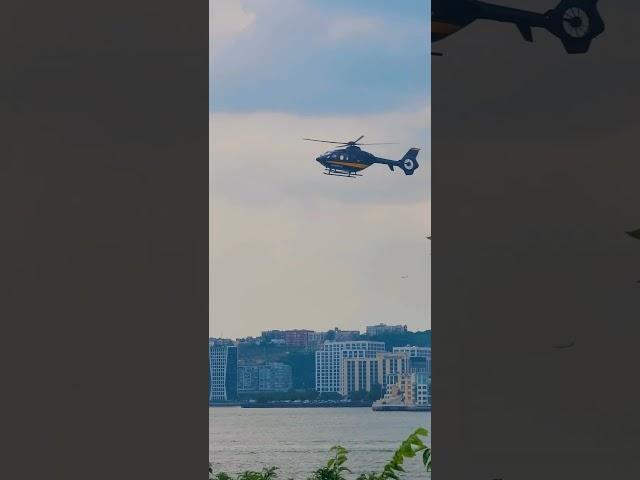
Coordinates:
[574,22]
[348,161]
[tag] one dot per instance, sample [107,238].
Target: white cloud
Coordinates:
[227,19]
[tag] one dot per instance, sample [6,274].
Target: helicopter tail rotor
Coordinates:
[409,163]
[575,23]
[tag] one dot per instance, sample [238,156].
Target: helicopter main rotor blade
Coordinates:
[325,141]
[358,139]
[355,142]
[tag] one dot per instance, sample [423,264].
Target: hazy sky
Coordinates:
[289,246]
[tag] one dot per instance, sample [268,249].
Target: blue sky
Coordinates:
[289,246]
[320,57]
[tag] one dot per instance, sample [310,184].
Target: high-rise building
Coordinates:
[390,366]
[358,374]
[419,358]
[361,374]
[223,372]
[329,361]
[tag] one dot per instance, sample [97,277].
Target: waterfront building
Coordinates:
[248,378]
[390,366]
[329,361]
[275,377]
[410,389]
[381,329]
[419,358]
[421,382]
[269,377]
[358,374]
[223,372]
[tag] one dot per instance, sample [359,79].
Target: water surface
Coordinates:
[297,440]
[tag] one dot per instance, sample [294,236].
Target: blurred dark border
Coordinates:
[535,184]
[104,180]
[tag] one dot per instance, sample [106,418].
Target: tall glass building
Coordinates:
[223,372]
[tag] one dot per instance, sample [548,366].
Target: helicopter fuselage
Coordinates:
[447,17]
[349,160]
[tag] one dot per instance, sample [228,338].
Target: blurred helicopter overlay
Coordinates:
[348,161]
[634,233]
[574,22]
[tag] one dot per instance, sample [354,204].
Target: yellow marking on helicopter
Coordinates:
[444,28]
[359,166]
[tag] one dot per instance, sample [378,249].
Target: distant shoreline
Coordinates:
[294,405]
[379,408]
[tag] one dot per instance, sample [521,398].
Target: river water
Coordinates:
[297,440]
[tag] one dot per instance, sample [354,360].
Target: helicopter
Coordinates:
[635,234]
[574,22]
[348,161]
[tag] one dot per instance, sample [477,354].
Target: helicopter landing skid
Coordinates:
[334,173]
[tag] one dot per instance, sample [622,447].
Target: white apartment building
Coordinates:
[329,361]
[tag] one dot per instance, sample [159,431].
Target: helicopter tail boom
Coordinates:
[575,23]
[409,163]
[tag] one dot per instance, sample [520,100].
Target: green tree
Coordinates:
[334,469]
